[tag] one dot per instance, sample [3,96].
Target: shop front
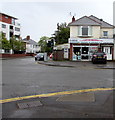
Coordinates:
[82,49]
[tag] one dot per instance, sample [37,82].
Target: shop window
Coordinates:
[84,50]
[77,50]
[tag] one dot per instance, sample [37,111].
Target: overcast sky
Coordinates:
[39,19]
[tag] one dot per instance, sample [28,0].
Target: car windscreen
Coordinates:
[40,54]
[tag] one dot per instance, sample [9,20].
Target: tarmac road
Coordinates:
[25,77]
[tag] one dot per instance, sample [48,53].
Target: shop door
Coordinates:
[85,52]
[107,50]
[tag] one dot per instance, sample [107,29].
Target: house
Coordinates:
[9,26]
[89,34]
[31,46]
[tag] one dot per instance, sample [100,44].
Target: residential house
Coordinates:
[31,45]
[88,34]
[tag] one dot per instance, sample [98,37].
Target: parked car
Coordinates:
[99,57]
[39,56]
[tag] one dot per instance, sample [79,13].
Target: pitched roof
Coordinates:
[91,20]
[102,23]
[30,41]
[84,21]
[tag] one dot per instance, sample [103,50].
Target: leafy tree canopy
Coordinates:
[13,43]
[63,33]
[43,43]
[4,43]
[17,44]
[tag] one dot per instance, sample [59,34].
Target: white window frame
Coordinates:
[89,31]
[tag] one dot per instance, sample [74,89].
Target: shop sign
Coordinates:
[98,41]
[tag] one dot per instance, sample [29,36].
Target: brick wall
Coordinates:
[12,55]
[6,19]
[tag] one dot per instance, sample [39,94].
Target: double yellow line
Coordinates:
[55,94]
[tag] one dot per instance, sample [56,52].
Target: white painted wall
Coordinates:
[32,48]
[110,32]
[7,29]
[96,32]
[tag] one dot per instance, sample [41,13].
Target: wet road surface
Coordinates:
[24,77]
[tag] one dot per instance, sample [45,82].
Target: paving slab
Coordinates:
[80,97]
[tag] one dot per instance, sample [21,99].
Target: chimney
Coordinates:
[73,19]
[28,37]
[101,21]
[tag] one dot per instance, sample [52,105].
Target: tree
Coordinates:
[4,43]
[43,43]
[63,34]
[17,45]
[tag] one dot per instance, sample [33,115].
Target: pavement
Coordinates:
[85,64]
[94,105]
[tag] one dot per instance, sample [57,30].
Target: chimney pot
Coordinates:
[28,37]
[73,19]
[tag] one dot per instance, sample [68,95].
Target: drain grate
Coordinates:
[29,104]
[80,97]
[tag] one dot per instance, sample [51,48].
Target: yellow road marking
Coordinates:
[54,94]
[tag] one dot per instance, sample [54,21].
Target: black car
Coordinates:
[39,56]
[99,57]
